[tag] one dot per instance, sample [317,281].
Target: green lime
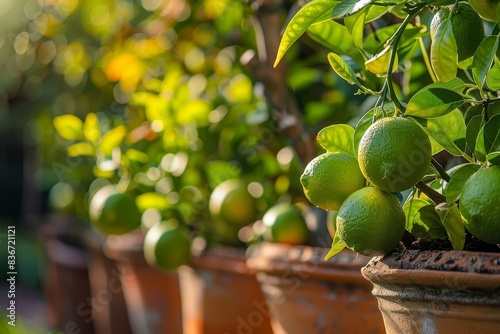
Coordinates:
[480,204]
[371,222]
[329,178]
[394,154]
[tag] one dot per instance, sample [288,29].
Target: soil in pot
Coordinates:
[306,294]
[221,295]
[152,296]
[440,291]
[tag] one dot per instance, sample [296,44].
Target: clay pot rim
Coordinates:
[445,269]
[222,258]
[281,259]
[126,248]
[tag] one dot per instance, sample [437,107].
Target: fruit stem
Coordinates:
[431,193]
[440,170]
[395,41]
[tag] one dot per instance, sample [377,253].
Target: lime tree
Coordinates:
[423,97]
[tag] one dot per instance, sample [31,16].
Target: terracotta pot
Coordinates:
[306,294]
[221,295]
[67,287]
[152,296]
[108,304]
[437,291]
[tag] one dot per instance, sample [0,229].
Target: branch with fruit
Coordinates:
[434,94]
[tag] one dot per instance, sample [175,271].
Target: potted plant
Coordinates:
[429,222]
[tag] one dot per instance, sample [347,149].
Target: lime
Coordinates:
[231,204]
[285,224]
[394,154]
[114,212]
[480,204]
[167,246]
[329,178]
[371,222]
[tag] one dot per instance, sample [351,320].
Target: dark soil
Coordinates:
[471,244]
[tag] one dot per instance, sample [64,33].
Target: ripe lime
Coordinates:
[232,204]
[371,222]
[285,224]
[114,212]
[329,178]
[167,246]
[394,154]
[480,204]
[487,9]
[467,28]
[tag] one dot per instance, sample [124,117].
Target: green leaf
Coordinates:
[488,139]
[337,138]
[137,156]
[91,129]
[448,131]
[151,200]
[311,13]
[483,59]
[337,246]
[457,181]
[112,139]
[368,119]
[349,7]
[335,37]
[452,221]
[493,76]
[342,69]
[81,149]
[444,57]
[422,220]
[473,127]
[436,99]
[355,24]
[69,127]
[494,158]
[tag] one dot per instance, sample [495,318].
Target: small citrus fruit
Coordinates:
[480,204]
[487,9]
[329,178]
[232,204]
[394,154]
[285,224]
[167,246]
[467,28]
[114,212]
[371,222]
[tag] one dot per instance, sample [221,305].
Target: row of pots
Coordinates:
[275,288]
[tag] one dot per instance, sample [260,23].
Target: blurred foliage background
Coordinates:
[149,95]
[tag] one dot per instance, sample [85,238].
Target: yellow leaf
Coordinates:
[91,129]
[81,149]
[112,139]
[69,127]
